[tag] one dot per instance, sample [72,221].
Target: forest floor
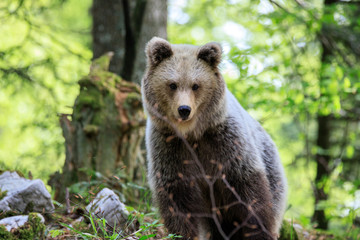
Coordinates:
[70,220]
[78,225]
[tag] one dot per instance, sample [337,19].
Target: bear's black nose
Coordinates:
[184,111]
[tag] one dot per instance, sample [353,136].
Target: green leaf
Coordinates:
[299,98]
[347,83]
[147,237]
[337,104]
[350,151]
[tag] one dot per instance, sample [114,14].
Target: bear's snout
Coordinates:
[184,111]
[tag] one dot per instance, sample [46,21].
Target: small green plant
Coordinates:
[56,232]
[149,229]
[287,231]
[172,236]
[79,233]
[98,230]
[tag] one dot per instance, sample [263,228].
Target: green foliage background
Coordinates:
[45,49]
[272,63]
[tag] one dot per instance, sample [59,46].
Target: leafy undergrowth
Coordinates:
[72,221]
[143,226]
[148,227]
[143,223]
[140,226]
[78,224]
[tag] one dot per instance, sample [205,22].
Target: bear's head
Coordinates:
[182,87]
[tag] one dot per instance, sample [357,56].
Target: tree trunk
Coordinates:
[124,27]
[105,131]
[323,143]
[322,172]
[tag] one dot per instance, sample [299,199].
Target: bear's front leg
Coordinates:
[178,203]
[255,209]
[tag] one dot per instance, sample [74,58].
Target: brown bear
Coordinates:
[214,171]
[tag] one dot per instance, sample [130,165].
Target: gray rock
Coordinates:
[17,221]
[108,206]
[24,193]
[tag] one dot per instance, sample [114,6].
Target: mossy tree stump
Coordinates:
[105,131]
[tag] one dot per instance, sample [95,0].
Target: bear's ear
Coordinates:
[158,49]
[210,53]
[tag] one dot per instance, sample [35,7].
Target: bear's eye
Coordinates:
[195,87]
[173,86]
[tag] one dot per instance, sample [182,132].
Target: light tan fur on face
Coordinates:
[183,68]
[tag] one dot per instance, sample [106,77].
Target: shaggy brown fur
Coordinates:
[215,174]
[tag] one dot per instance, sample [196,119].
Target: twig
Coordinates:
[67,200]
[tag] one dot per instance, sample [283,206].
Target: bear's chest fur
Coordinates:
[218,151]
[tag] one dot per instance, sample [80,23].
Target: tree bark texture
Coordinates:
[124,27]
[105,131]
[323,142]
[322,171]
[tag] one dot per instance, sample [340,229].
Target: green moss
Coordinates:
[106,80]
[103,81]
[38,226]
[2,194]
[5,234]
[102,63]
[91,129]
[287,232]
[20,173]
[98,119]
[8,214]
[33,229]
[131,86]
[85,82]
[133,99]
[98,96]
[90,97]
[29,207]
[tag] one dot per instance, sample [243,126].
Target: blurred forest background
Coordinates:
[293,64]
